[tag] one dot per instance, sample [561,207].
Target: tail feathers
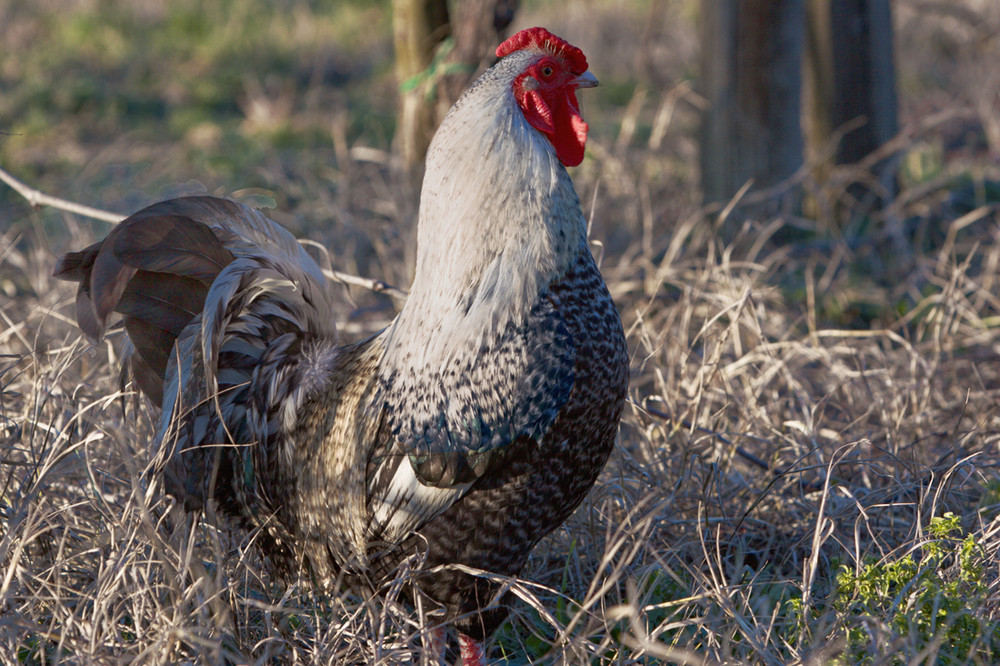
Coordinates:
[232,333]
[156,307]
[153,241]
[156,268]
[76,267]
[264,345]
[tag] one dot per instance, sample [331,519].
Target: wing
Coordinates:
[231,325]
[448,429]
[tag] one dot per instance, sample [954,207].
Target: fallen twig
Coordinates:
[37,199]
[378,286]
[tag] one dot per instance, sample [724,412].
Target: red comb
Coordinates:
[542,39]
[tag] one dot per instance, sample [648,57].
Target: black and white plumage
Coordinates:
[466,431]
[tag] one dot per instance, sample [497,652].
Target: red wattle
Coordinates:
[556,114]
[570,136]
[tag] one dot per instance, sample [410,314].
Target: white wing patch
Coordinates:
[407,504]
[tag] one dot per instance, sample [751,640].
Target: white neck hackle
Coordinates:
[499,221]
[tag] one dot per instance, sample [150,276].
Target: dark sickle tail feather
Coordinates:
[154,269]
[231,331]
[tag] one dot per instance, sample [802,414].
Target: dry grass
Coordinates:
[687,550]
[795,408]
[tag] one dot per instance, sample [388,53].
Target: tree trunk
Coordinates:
[477,27]
[852,87]
[752,79]
[418,27]
[431,80]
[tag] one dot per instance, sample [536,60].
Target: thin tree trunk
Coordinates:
[477,27]
[752,79]
[418,27]
[852,82]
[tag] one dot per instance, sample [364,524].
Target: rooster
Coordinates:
[463,433]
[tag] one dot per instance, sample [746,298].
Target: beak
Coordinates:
[585,80]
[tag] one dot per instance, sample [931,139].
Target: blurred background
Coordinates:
[118,103]
[796,207]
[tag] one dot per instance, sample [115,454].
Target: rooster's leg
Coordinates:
[435,646]
[472,650]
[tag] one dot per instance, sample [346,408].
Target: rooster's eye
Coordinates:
[547,71]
